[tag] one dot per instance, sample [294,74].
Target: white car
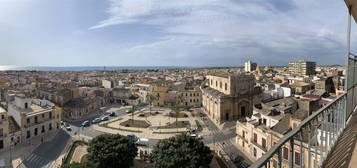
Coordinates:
[105,118]
[96,120]
[197,136]
[68,127]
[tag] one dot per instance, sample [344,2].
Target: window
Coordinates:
[243,144]
[297,158]
[43,115]
[1,144]
[35,132]
[220,85]
[242,111]
[28,134]
[255,152]
[275,164]
[28,120]
[216,84]
[2,116]
[285,153]
[255,138]
[50,115]
[264,143]
[26,105]
[43,129]
[36,119]
[243,134]
[225,86]
[1,132]
[50,126]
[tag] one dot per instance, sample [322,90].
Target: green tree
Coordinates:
[79,165]
[109,150]
[181,151]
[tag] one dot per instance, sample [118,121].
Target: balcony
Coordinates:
[258,145]
[42,121]
[322,130]
[331,131]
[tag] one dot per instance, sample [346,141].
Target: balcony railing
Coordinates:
[312,140]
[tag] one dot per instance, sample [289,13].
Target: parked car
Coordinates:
[112,114]
[68,127]
[105,118]
[96,120]
[62,122]
[133,137]
[199,137]
[86,124]
[128,111]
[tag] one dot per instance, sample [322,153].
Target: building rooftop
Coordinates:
[221,74]
[300,84]
[214,92]
[283,126]
[13,126]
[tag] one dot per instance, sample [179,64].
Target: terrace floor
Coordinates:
[344,154]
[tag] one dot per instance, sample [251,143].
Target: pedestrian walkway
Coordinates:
[152,132]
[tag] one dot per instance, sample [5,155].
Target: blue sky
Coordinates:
[171,32]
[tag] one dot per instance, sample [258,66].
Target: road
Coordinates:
[223,138]
[48,151]
[77,129]
[43,155]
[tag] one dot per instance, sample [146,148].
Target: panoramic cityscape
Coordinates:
[178,84]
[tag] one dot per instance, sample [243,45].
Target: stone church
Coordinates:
[229,97]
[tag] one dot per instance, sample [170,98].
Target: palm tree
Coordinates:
[133,108]
[150,98]
[177,107]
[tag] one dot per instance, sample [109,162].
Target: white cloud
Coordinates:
[233,29]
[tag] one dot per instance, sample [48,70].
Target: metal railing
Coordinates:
[308,144]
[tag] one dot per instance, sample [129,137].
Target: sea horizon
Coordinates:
[90,68]
[108,68]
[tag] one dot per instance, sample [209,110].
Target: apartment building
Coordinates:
[4,129]
[58,96]
[191,98]
[250,66]
[269,123]
[302,67]
[159,92]
[253,133]
[35,117]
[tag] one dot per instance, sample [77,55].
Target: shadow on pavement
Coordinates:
[47,152]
